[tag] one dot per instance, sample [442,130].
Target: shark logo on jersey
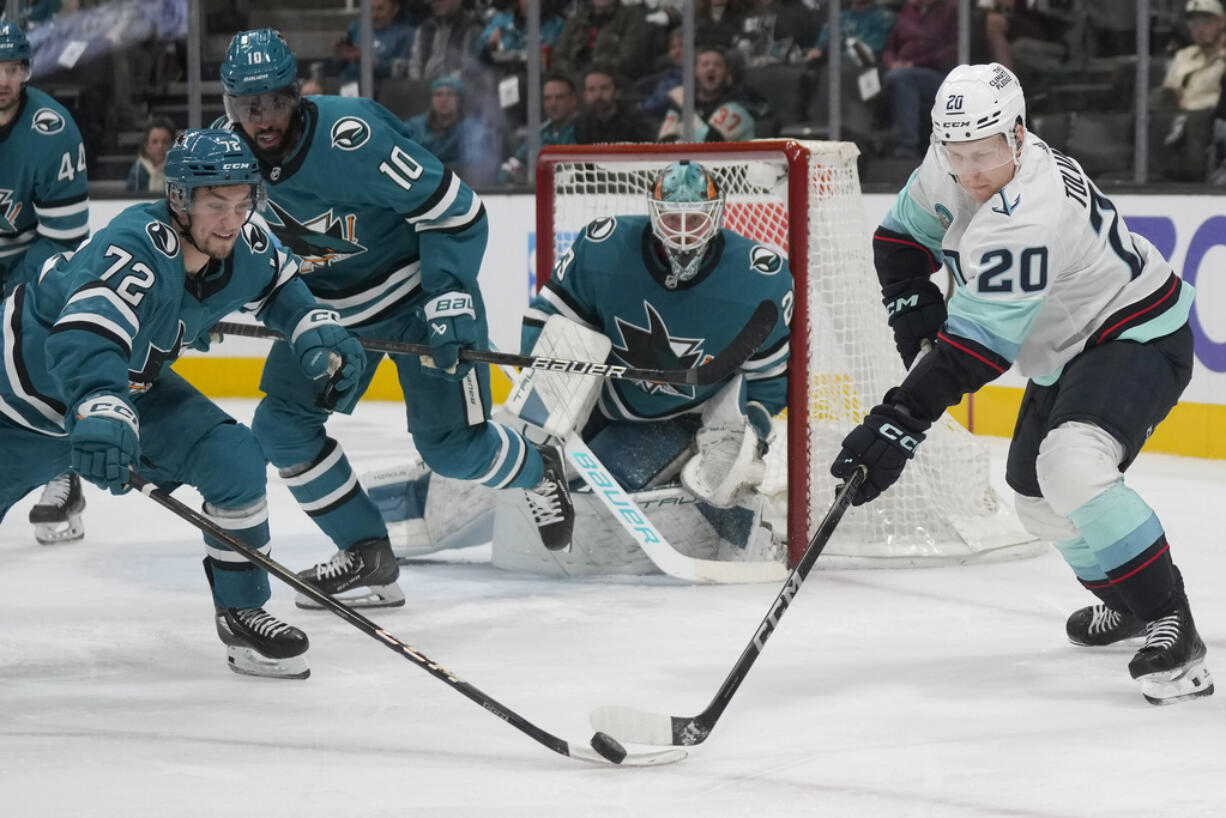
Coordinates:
[651,347]
[164,239]
[563,264]
[256,238]
[155,357]
[8,212]
[47,122]
[601,229]
[350,133]
[765,260]
[320,240]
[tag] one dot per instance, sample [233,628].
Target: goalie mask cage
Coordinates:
[803,198]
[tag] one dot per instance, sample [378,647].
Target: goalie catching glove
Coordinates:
[105,441]
[883,443]
[451,323]
[330,356]
[917,313]
[731,444]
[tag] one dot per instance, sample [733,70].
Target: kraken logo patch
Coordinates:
[164,239]
[601,229]
[765,260]
[350,133]
[47,122]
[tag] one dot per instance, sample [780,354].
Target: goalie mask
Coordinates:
[210,158]
[973,103]
[687,211]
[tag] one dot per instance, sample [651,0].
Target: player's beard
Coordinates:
[9,103]
[275,153]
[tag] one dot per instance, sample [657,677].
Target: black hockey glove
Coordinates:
[917,313]
[884,442]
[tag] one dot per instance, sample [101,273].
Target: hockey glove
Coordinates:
[105,440]
[332,357]
[917,313]
[884,442]
[451,323]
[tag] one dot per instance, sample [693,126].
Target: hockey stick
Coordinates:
[729,359]
[606,748]
[641,727]
[667,558]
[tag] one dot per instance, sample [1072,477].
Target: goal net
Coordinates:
[803,198]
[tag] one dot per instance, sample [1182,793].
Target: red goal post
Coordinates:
[803,199]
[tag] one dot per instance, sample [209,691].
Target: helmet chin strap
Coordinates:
[183,226]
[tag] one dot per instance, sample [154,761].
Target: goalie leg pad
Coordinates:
[644,455]
[426,512]
[728,460]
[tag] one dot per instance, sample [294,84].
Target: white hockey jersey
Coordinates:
[1045,268]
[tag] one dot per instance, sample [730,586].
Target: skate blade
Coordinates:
[1174,686]
[250,662]
[376,596]
[54,533]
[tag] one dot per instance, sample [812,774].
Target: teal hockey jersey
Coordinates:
[614,280]
[375,217]
[44,203]
[107,317]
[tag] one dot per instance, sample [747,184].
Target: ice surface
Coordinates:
[941,692]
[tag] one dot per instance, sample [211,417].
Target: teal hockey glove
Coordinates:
[332,357]
[451,323]
[105,440]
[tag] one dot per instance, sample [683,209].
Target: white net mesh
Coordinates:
[944,508]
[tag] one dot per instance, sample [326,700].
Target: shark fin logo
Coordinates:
[765,260]
[164,239]
[350,133]
[255,237]
[47,122]
[601,229]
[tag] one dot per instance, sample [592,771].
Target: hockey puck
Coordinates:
[608,747]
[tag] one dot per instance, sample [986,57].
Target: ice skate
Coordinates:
[368,565]
[1098,625]
[57,516]
[259,644]
[549,502]
[1170,666]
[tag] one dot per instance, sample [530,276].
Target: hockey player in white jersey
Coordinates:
[1050,280]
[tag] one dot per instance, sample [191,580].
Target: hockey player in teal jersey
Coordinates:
[44,208]
[668,290]
[86,381]
[392,241]
[1051,281]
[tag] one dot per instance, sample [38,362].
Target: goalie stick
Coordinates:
[604,748]
[641,727]
[729,359]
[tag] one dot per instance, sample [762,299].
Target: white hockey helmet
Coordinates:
[977,101]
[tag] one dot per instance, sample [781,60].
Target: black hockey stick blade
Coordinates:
[635,726]
[745,344]
[603,749]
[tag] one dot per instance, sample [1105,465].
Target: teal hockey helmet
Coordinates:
[686,206]
[210,158]
[258,62]
[13,45]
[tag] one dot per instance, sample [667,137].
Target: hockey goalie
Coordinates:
[663,291]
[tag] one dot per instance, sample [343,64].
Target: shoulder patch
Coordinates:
[47,122]
[164,238]
[350,133]
[601,229]
[944,216]
[255,237]
[765,260]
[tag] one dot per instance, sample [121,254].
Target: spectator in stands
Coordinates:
[506,34]
[606,117]
[1021,35]
[1184,105]
[393,44]
[147,173]
[921,49]
[721,115]
[446,43]
[605,32]
[560,104]
[460,142]
[772,31]
[718,22]
[864,27]
[654,88]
